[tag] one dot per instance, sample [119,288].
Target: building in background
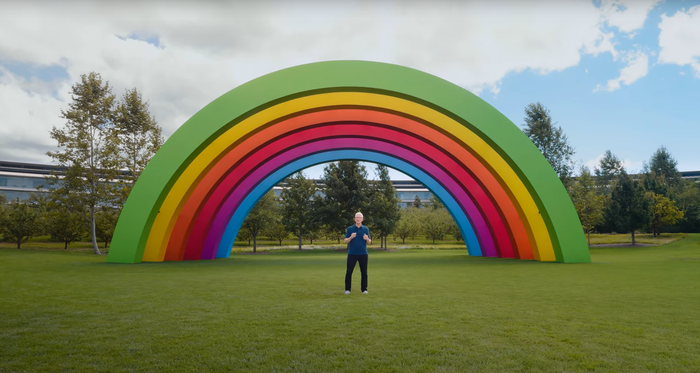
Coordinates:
[18,180]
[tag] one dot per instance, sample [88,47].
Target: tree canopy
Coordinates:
[88,147]
[383,210]
[297,208]
[550,140]
[346,191]
[628,207]
[587,202]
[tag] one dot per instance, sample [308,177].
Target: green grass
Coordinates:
[631,310]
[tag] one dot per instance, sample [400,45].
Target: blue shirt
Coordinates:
[357,246]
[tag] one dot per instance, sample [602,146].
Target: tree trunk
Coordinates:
[18,244]
[633,242]
[299,236]
[255,242]
[92,232]
[588,233]
[65,246]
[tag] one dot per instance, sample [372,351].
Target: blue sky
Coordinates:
[660,108]
[617,75]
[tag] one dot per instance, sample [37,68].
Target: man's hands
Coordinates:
[354,234]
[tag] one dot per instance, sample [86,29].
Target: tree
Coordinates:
[3,201]
[383,210]
[608,170]
[628,206]
[139,139]
[436,224]
[435,203]
[65,222]
[264,214]
[588,204]
[312,235]
[408,225]
[19,223]
[689,202]
[664,212]
[277,231]
[296,203]
[327,233]
[455,232]
[654,182]
[105,223]
[88,148]
[550,140]
[417,202]
[244,235]
[662,164]
[346,192]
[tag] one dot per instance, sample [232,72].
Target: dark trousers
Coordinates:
[352,259]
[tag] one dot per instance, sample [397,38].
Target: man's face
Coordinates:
[358,219]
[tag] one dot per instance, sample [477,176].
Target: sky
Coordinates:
[622,76]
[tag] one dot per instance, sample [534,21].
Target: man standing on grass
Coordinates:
[357,238]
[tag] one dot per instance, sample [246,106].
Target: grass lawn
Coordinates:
[631,310]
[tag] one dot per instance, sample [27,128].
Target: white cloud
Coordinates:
[593,163]
[632,167]
[208,48]
[679,39]
[628,16]
[637,67]
[26,118]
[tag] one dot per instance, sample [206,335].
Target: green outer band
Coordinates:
[198,132]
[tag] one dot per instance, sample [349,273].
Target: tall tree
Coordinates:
[607,171]
[664,212]
[662,163]
[264,214]
[628,206]
[297,208]
[587,202]
[140,137]
[19,223]
[384,210]
[662,174]
[88,147]
[346,192]
[550,139]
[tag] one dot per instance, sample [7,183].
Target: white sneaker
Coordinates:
[364,292]
[347,292]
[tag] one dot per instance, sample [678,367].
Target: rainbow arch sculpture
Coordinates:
[191,200]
